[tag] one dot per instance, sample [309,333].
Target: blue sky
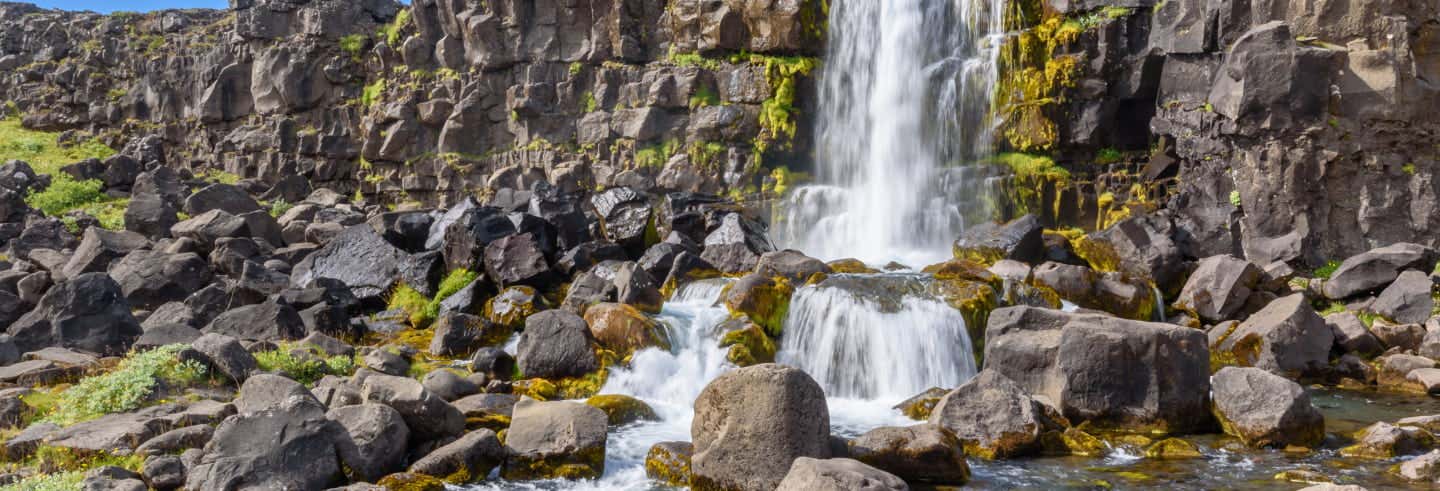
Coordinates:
[107,6]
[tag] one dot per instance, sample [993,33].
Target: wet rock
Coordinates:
[88,313]
[586,290]
[808,474]
[747,342]
[751,423]
[623,329]
[358,258]
[1407,300]
[1352,335]
[1071,359]
[427,415]
[765,300]
[992,417]
[1424,468]
[377,442]
[636,288]
[1020,240]
[1372,270]
[467,459]
[1173,449]
[923,453]
[1141,247]
[585,256]
[792,265]
[555,440]
[1219,288]
[669,463]
[556,343]
[1285,337]
[1265,410]
[1383,441]
[1395,368]
[921,405]
[622,409]
[150,279]
[736,245]
[458,335]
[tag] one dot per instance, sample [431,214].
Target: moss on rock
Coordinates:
[622,409]
[749,345]
[764,300]
[1172,448]
[669,463]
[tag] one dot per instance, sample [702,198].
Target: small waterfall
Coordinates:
[905,94]
[876,337]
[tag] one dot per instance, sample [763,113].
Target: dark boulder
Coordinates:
[1021,240]
[556,343]
[358,258]
[923,453]
[736,245]
[752,423]
[225,355]
[266,321]
[519,260]
[992,417]
[150,215]
[427,415]
[625,217]
[1264,409]
[87,313]
[469,458]
[466,238]
[209,227]
[1408,299]
[554,439]
[378,439]
[149,279]
[98,248]
[1372,270]
[223,197]
[1219,288]
[288,445]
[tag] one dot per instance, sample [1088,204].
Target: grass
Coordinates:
[61,481]
[1235,198]
[219,176]
[305,370]
[693,59]
[656,155]
[1328,269]
[423,311]
[391,32]
[372,93]
[42,150]
[704,97]
[588,100]
[1108,156]
[279,207]
[128,387]
[65,194]
[353,44]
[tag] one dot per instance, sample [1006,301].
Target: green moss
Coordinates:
[1172,448]
[1108,156]
[1235,198]
[391,33]
[778,116]
[1324,272]
[219,176]
[748,346]
[667,466]
[588,101]
[704,96]
[766,304]
[576,68]
[655,156]
[622,409]
[353,44]
[693,59]
[372,93]
[128,387]
[406,299]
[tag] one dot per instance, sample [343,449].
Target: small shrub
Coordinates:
[279,207]
[306,370]
[576,68]
[1328,269]
[126,388]
[65,194]
[372,93]
[1235,198]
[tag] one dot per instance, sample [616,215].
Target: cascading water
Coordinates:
[905,92]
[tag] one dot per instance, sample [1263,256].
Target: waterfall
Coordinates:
[905,93]
[876,337]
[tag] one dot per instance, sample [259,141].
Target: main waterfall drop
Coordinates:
[905,95]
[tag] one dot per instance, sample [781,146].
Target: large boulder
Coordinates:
[1351,335]
[1021,240]
[751,423]
[625,217]
[1265,410]
[1408,300]
[378,439]
[286,445]
[1219,288]
[359,258]
[1286,337]
[556,343]
[266,321]
[225,355]
[736,245]
[923,453]
[992,417]
[808,474]
[426,415]
[150,279]
[1111,372]
[99,248]
[464,235]
[1140,247]
[623,329]
[1372,270]
[224,197]
[87,313]
[469,458]
[560,439]
[519,260]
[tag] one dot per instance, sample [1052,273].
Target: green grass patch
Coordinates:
[656,155]
[353,44]
[391,33]
[60,481]
[306,370]
[42,150]
[693,59]
[65,194]
[588,100]
[219,176]
[423,311]
[1108,156]
[1235,198]
[279,207]
[372,93]
[704,97]
[1028,165]
[128,387]
[1324,272]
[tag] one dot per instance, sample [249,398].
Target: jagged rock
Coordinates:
[1109,292]
[1070,359]
[88,313]
[267,321]
[466,237]
[164,472]
[493,362]
[992,417]
[1219,288]
[922,453]
[467,459]
[386,360]
[211,226]
[1407,337]
[1020,240]
[150,215]
[428,416]
[556,343]
[636,288]
[808,474]
[98,248]
[625,217]
[378,438]
[1376,268]
[111,433]
[225,355]
[735,246]
[751,423]
[458,335]
[1141,247]
[358,258]
[290,445]
[1351,334]
[559,439]
[1407,300]
[150,279]
[1265,410]
[518,260]
[1286,336]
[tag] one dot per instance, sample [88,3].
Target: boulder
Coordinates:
[764,300]
[449,385]
[1108,371]
[556,343]
[266,321]
[735,246]
[286,446]
[1140,247]
[636,288]
[623,329]
[427,415]
[98,248]
[209,227]
[1407,337]
[358,258]
[470,458]
[1108,292]
[1424,468]
[225,355]
[177,440]
[1369,271]
[459,335]
[992,417]
[1265,410]
[1285,337]
[751,423]
[1394,369]
[808,474]
[924,453]
[792,265]
[1219,288]
[224,197]
[378,439]
[625,217]
[559,439]
[495,363]
[518,260]
[1351,335]
[1385,441]
[150,279]
[1021,240]
[669,463]
[165,472]
[1408,299]
[87,313]
[622,409]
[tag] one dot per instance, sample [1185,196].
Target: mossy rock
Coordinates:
[1172,448]
[512,306]
[492,422]
[975,300]
[764,300]
[1077,442]
[850,266]
[1303,476]
[961,269]
[669,463]
[583,387]
[1100,254]
[919,407]
[586,464]
[536,388]
[749,345]
[406,481]
[622,409]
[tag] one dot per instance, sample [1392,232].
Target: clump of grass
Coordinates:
[391,32]
[353,44]
[693,59]
[126,388]
[306,370]
[1108,156]
[60,481]
[423,311]
[1235,198]
[65,194]
[1023,164]
[656,155]
[704,97]
[279,207]
[219,176]
[372,93]
[1328,269]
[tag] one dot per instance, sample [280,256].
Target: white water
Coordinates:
[905,92]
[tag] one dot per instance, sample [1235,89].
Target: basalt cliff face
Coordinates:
[1281,130]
